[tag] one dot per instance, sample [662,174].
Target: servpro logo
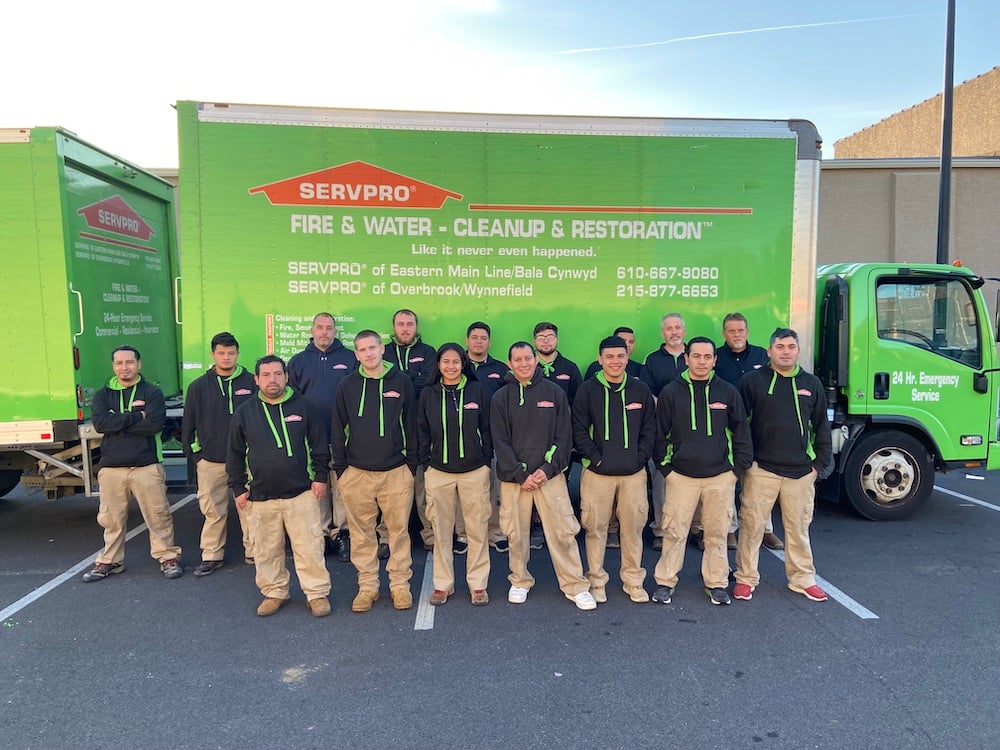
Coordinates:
[118,217]
[356,183]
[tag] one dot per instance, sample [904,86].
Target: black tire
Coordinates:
[9,479]
[888,475]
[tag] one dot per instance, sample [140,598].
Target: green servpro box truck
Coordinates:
[89,251]
[589,223]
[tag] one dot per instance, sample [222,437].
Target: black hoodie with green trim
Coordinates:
[702,428]
[129,438]
[788,422]
[453,423]
[564,373]
[374,422]
[614,425]
[279,448]
[531,428]
[418,360]
[209,405]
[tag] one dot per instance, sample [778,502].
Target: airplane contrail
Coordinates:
[584,50]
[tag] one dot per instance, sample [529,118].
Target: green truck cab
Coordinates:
[910,368]
[90,262]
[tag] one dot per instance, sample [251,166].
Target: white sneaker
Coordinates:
[517,595]
[583,600]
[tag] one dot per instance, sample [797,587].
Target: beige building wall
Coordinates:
[886,210]
[916,131]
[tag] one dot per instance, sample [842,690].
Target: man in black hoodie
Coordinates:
[375,454]
[614,428]
[315,373]
[700,424]
[792,448]
[277,462]
[209,405]
[417,361]
[129,411]
[532,438]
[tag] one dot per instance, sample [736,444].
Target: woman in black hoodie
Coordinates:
[453,423]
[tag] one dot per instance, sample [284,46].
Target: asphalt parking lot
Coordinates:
[906,653]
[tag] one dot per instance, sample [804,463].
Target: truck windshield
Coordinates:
[937,315]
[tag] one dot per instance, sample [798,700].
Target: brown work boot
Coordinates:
[772,541]
[270,605]
[437,598]
[401,598]
[364,601]
[320,607]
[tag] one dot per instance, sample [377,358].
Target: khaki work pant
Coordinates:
[298,518]
[213,499]
[796,497]
[683,494]
[558,524]
[148,485]
[365,494]
[601,499]
[495,533]
[447,494]
[332,514]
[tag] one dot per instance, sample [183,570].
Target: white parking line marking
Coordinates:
[425,611]
[939,488]
[60,579]
[836,594]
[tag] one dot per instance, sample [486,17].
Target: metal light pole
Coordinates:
[944,191]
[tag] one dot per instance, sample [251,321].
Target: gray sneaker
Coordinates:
[663,594]
[100,571]
[718,596]
[171,568]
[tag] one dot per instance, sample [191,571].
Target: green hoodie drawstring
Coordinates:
[284,426]
[708,408]
[381,403]
[795,395]
[620,389]
[547,367]
[460,406]
[229,381]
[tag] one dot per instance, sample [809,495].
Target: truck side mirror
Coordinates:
[980,383]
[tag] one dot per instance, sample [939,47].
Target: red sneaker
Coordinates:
[814,593]
[743,591]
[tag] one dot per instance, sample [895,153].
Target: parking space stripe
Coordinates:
[836,594]
[60,579]
[425,611]
[939,488]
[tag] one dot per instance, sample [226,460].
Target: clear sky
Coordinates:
[111,69]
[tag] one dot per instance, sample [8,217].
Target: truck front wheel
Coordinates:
[9,479]
[888,475]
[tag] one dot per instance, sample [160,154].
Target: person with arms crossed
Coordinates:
[792,449]
[209,405]
[373,440]
[532,437]
[277,463]
[129,412]
[614,428]
[453,423]
[700,424]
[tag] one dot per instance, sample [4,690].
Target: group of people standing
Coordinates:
[333,450]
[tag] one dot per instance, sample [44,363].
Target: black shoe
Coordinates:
[100,571]
[663,594]
[460,547]
[501,545]
[537,538]
[344,547]
[614,541]
[658,543]
[718,596]
[383,551]
[697,538]
[208,567]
